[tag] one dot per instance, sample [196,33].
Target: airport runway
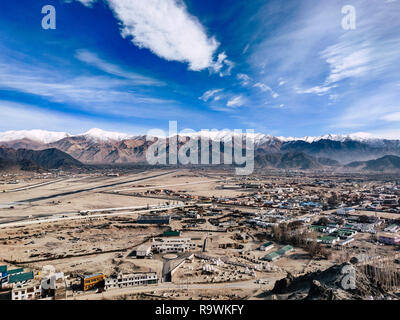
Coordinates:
[81,217]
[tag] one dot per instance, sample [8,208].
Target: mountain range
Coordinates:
[32,160]
[101,147]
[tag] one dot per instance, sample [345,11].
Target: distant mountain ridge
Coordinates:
[384,164]
[101,147]
[33,160]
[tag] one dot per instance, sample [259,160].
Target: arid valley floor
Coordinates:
[246,233]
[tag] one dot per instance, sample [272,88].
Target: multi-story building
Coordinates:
[92,281]
[28,291]
[131,280]
[172,245]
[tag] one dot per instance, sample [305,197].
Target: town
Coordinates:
[192,233]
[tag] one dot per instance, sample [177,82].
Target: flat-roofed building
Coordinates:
[20,277]
[131,280]
[389,238]
[345,211]
[92,281]
[172,245]
[272,256]
[267,246]
[143,250]
[28,291]
[154,220]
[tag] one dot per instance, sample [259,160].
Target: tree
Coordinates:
[323,221]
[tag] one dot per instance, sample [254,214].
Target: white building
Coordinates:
[143,251]
[131,280]
[27,291]
[172,245]
[345,211]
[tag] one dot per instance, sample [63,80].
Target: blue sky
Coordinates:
[286,68]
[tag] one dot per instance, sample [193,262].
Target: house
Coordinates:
[53,285]
[345,233]
[267,246]
[323,229]
[20,277]
[345,211]
[3,274]
[389,238]
[272,256]
[143,251]
[330,240]
[345,242]
[285,250]
[279,253]
[172,234]
[131,280]
[92,281]
[26,292]
[392,228]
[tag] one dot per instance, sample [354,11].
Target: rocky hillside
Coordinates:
[32,160]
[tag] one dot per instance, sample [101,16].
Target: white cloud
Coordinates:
[209,94]
[244,78]
[223,66]
[347,61]
[282,82]
[246,48]
[246,81]
[392,117]
[17,116]
[376,110]
[166,28]
[98,94]
[264,88]
[86,3]
[237,101]
[314,90]
[94,60]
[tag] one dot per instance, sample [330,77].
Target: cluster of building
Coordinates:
[51,285]
[46,284]
[278,253]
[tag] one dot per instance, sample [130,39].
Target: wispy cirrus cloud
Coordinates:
[94,60]
[237,101]
[210,94]
[246,81]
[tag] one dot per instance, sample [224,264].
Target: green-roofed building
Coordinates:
[346,232]
[21,277]
[284,250]
[272,256]
[16,271]
[318,228]
[3,269]
[329,239]
[172,234]
[267,246]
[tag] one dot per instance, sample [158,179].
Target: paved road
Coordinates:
[67,193]
[167,186]
[78,217]
[249,284]
[35,185]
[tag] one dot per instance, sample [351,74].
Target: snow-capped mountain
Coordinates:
[101,135]
[99,146]
[41,136]
[359,136]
